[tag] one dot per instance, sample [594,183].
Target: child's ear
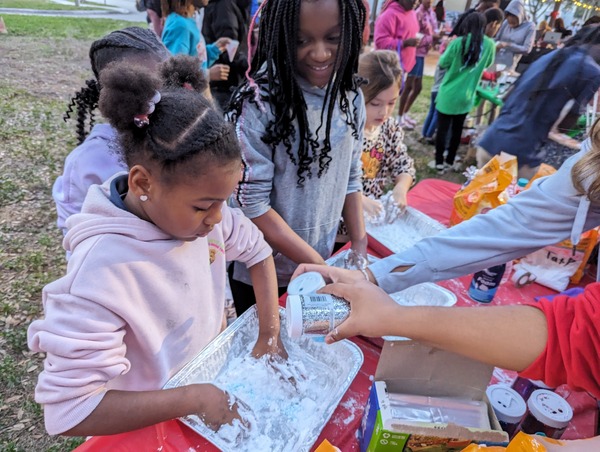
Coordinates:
[140,181]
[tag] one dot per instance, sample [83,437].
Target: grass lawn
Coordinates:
[62,27]
[45,5]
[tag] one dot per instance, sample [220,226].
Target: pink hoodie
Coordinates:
[134,307]
[393,26]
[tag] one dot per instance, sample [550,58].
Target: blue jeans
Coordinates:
[430,123]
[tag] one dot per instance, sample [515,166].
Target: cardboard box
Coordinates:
[408,367]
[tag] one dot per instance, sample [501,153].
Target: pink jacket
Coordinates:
[393,26]
[134,307]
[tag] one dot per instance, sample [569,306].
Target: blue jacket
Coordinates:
[530,110]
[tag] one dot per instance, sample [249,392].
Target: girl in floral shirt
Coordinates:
[386,164]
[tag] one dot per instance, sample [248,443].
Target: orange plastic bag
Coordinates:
[487,190]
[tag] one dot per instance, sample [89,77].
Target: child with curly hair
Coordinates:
[144,289]
[96,158]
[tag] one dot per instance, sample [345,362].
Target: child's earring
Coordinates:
[143,198]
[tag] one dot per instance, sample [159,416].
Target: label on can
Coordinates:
[485,283]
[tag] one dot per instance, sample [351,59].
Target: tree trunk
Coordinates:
[554,13]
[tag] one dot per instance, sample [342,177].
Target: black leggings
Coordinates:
[243,294]
[454,125]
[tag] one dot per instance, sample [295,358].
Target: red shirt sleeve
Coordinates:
[571,354]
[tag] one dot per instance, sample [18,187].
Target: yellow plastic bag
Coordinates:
[486,190]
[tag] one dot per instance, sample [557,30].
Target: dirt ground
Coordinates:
[37,79]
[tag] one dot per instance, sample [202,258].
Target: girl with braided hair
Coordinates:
[144,290]
[464,60]
[97,158]
[299,118]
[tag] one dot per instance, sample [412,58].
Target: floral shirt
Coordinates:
[384,158]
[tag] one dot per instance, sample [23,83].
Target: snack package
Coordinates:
[522,442]
[489,188]
[557,265]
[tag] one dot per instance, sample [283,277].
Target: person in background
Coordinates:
[300,118]
[229,19]
[396,29]
[154,12]
[542,29]
[429,32]
[440,12]
[515,37]
[484,5]
[144,289]
[96,158]
[464,60]
[559,27]
[557,83]
[385,161]
[181,36]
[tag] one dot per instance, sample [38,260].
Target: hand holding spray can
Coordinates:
[310,313]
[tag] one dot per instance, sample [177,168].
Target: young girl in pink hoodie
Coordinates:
[144,289]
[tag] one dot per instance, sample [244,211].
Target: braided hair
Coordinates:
[183,126]
[472,23]
[115,46]
[273,69]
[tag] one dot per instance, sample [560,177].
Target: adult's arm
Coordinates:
[540,216]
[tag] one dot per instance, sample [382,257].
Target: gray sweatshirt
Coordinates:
[314,210]
[520,38]
[548,212]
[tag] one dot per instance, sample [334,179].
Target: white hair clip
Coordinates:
[143,120]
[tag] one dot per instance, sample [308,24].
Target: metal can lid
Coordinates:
[293,315]
[507,403]
[305,283]
[550,408]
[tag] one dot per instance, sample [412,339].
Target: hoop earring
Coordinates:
[143,198]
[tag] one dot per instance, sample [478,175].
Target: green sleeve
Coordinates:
[450,53]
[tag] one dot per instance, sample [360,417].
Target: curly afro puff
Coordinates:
[182,71]
[183,125]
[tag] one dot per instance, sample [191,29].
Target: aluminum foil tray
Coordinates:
[337,260]
[407,230]
[424,294]
[338,364]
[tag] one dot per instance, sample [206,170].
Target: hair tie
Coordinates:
[143,120]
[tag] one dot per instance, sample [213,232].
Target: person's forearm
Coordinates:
[354,218]
[264,282]
[284,240]
[123,411]
[403,182]
[510,337]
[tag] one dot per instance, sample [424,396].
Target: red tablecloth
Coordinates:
[434,198]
